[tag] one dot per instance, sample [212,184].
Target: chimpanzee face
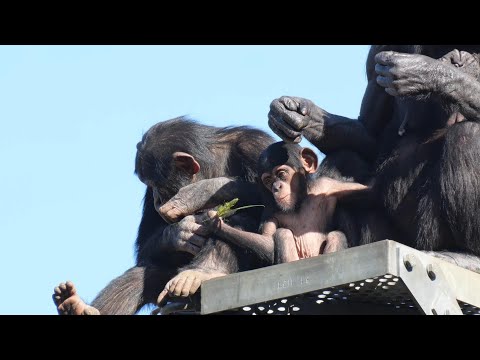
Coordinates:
[287,185]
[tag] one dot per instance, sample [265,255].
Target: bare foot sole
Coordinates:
[68,302]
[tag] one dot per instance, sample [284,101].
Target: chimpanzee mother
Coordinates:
[171,155]
[416,142]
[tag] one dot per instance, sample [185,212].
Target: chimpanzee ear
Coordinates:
[187,162]
[309,160]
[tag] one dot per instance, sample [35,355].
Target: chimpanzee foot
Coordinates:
[186,283]
[68,302]
[336,241]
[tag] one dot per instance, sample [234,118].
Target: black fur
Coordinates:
[228,151]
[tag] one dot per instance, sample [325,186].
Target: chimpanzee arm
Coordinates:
[414,75]
[205,194]
[292,117]
[185,236]
[157,239]
[217,258]
[261,244]
[463,90]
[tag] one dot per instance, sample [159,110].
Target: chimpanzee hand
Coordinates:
[186,283]
[211,221]
[408,74]
[192,198]
[188,235]
[464,61]
[289,116]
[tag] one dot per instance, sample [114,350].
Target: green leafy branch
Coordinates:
[226,210]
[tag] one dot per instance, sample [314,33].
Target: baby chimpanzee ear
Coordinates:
[309,160]
[187,162]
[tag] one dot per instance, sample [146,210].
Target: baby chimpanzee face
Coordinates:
[287,185]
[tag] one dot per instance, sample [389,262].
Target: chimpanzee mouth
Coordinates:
[283,198]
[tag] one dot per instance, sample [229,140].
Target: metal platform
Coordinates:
[380,278]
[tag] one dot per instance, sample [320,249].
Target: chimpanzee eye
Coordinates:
[267,181]
[282,175]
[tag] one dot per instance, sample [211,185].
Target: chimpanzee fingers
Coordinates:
[187,287]
[189,248]
[177,290]
[384,81]
[383,70]
[386,57]
[211,214]
[195,285]
[392,91]
[197,240]
[63,289]
[199,228]
[170,286]
[452,57]
[388,84]
[281,129]
[289,103]
[276,130]
[162,297]
[166,290]
[279,111]
[170,213]
[293,119]
[57,291]
[304,106]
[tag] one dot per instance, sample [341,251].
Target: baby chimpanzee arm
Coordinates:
[262,244]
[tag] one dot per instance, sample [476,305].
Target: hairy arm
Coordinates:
[415,75]
[261,244]
[206,194]
[461,89]
[292,117]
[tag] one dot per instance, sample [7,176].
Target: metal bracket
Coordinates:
[427,282]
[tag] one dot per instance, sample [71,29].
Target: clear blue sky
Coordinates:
[70,117]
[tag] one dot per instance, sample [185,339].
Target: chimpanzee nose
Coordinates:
[276,187]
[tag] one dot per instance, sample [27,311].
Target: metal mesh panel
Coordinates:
[386,294]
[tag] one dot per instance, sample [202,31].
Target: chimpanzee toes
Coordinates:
[68,302]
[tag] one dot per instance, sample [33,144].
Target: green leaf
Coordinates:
[226,210]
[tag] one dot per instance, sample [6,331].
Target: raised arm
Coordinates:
[292,117]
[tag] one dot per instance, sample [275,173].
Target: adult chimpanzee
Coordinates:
[173,154]
[300,203]
[416,143]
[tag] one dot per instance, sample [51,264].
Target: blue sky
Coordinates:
[70,117]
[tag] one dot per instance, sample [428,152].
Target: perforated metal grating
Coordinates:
[384,294]
[330,284]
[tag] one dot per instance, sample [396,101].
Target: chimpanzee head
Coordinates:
[285,170]
[171,155]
